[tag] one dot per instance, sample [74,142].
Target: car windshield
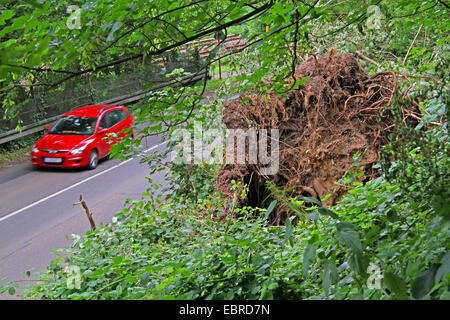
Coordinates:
[71,125]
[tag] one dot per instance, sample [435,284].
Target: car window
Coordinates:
[74,126]
[122,114]
[104,123]
[115,117]
[112,118]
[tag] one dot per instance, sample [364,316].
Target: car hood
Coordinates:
[61,142]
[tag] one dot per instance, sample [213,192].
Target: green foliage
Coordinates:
[194,180]
[20,143]
[174,251]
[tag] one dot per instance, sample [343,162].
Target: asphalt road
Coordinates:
[37,213]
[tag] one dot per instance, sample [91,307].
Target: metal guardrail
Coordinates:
[124,99]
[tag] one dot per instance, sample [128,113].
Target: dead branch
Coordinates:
[88,213]
[359,54]
[412,43]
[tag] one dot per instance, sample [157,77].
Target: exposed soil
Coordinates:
[339,111]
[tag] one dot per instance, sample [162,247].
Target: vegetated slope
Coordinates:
[338,112]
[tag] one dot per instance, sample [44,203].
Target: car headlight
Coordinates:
[78,150]
[34,149]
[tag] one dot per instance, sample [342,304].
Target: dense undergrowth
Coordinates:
[379,245]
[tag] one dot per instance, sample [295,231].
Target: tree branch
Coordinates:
[169,47]
[412,43]
[444,3]
[150,20]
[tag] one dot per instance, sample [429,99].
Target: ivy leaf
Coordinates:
[131,279]
[396,285]
[11,291]
[117,260]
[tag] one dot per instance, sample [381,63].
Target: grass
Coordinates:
[9,158]
[224,69]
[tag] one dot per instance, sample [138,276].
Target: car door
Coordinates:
[118,116]
[104,143]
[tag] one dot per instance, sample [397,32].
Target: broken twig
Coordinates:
[359,54]
[88,213]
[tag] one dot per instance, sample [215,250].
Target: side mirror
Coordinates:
[103,131]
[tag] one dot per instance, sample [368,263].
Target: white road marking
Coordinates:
[74,185]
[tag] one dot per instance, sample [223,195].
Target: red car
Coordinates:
[80,137]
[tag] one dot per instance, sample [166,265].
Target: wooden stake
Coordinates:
[88,213]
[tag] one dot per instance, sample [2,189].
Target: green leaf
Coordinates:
[117,260]
[423,282]
[328,212]
[330,275]
[314,216]
[131,279]
[308,257]
[444,269]
[7,14]
[116,26]
[314,237]
[359,263]
[12,291]
[312,200]
[289,229]
[270,209]
[345,225]
[396,285]
[298,83]
[145,278]
[349,238]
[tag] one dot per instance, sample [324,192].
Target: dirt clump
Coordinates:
[338,112]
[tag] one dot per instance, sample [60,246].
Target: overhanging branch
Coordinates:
[223,26]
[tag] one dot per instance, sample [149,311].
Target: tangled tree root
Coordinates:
[339,111]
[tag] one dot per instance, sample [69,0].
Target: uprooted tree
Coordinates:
[339,111]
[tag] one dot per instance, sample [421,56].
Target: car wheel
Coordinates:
[93,160]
